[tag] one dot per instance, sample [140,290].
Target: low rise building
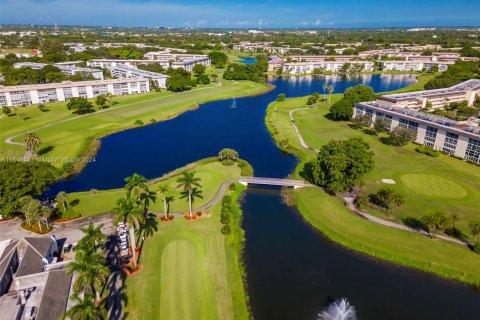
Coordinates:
[408,65]
[111,63]
[67,69]
[437,98]
[53,92]
[440,133]
[126,72]
[37,284]
[329,66]
[189,63]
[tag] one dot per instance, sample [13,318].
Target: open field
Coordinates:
[211,172]
[428,184]
[65,134]
[191,271]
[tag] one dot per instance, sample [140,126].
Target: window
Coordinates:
[3,100]
[473,151]
[450,144]
[20,97]
[430,136]
[67,92]
[408,124]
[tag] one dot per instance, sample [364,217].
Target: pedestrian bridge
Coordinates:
[274,182]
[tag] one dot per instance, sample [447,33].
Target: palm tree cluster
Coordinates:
[228,154]
[386,199]
[133,209]
[92,273]
[439,221]
[32,142]
[191,188]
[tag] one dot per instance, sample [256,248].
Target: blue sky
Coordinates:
[243,14]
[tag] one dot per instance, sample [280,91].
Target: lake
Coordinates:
[293,271]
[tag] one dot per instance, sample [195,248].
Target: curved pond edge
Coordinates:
[93,143]
[357,246]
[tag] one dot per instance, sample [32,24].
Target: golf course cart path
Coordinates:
[349,198]
[10,139]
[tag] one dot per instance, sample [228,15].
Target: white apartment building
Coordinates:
[188,64]
[167,56]
[317,58]
[126,72]
[438,98]
[53,92]
[67,69]
[440,133]
[112,63]
[330,66]
[406,65]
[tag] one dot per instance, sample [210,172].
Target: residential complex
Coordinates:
[406,65]
[111,63]
[330,66]
[190,63]
[33,279]
[461,139]
[438,98]
[127,72]
[52,92]
[66,68]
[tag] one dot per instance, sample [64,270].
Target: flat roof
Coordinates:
[472,84]
[140,72]
[438,121]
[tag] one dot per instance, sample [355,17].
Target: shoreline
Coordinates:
[351,243]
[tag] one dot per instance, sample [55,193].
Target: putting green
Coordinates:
[430,185]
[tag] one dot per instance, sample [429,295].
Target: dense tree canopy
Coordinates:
[340,165]
[343,108]
[218,59]
[460,71]
[18,179]
[80,105]
[179,80]
[236,71]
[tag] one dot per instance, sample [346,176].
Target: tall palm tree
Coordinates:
[93,237]
[188,181]
[195,193]
[32,141]
[128,211]
[330,91]
[135,181]
[162,191]
[92,273]
[474,229]
[85,309]
[324,86]
[144,198]
[62,199]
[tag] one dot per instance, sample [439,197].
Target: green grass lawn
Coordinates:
[191,271]
[428,184]
[72,137]
[332,218]
[211,173]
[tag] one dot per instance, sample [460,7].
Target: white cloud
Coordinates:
[318,22]
[201,22]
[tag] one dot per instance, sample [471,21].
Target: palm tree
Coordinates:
[330,91]
[188,181]
[128,211]
[162,191]
[135,181]
[191,195]
[32,141]
[324,86]
[149,226]
[91,272]
[93,237]
[85,309]
[214,77]
[144,197]
[474,229]
[62,198]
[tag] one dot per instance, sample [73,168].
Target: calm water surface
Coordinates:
[293,271]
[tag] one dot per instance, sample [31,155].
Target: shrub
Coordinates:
[360,201]
[198,213]
[281,97]
[428,151]
[232,187]
[139,123]
[228,162]
[225,218]
[226,230]
[476,248]
[153,121]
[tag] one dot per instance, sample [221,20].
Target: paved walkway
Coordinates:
[349,197]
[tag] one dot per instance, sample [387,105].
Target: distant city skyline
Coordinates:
[244,14]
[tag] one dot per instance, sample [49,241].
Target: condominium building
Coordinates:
[53,92]
[330,66]
[168,56]
[408,65]
[188,64]
[67,69]
[111,63]
[126,72]
[438,98]
[317,58]
[440,133]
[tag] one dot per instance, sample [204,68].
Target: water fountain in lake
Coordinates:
[234,104]
[339,310]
